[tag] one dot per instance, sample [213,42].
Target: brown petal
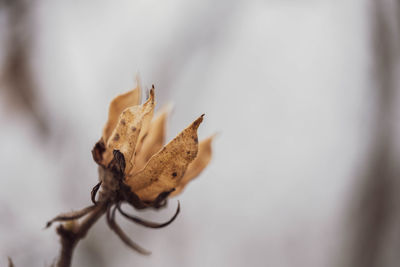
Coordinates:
[127,131]
[165,169]
[198,164]
[153,141]
[117,105]
[146,123]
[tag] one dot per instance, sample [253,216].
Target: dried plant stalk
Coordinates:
[135,169]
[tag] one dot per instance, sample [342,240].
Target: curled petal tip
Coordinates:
[152,93]
[197,122]
[151,97]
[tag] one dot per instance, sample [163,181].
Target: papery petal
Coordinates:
[198,164]
[127,131]
[117,105]
[165,169]
[144,132]
[153,141]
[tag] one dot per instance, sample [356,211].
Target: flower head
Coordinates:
[150,169]
[135,167]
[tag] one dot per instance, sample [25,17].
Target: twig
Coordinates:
[70,236]
[10,262]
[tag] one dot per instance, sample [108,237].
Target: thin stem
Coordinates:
[118,231]
[72,235]
[70,216]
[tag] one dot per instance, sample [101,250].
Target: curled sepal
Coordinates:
[148,223]
[94,192]
[117,164]
[69,216]
[131,197]
[159,202]
[165,169]
[115,227]
[161,199]
[97,152]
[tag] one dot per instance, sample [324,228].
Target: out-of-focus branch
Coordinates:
[375,212]
[10,262]
[17,77]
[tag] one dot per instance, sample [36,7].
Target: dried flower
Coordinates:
[135,167]
[151,169]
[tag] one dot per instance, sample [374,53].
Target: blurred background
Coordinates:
[304,95]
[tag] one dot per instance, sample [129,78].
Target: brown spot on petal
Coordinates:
[126,143]
[196,167]
[173,158]
[116,137]
[133,129]
[117,106]
[123,122]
